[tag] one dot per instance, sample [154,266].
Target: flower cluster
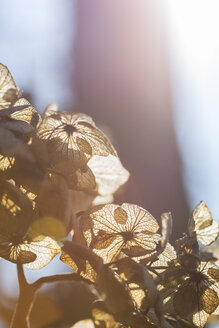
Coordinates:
[58,174]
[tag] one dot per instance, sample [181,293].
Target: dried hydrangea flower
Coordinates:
[72,136]
[113,290]
[190,289]
[9,92]
[114,231]
[20,242]
[15,127]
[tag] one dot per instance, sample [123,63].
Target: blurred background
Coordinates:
[148,73]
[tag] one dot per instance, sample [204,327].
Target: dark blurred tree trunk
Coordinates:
[121,79]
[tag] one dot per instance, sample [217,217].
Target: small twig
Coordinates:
[59,278]
[27,294]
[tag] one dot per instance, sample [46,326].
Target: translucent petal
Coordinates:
[9,92]
[109,173]
[28,114]
[87,323]
[45,249]
[81,266]
[207,230]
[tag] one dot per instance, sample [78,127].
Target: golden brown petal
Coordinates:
[102,240]
[120,215]
[214,274]
[209,300]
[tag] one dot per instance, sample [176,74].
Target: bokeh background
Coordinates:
[147,71]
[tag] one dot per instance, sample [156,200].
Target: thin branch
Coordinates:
[59,278]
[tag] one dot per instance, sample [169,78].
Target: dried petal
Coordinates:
[120,215]
[9,92]
[86,323]
[214,273]
[109,173]
[202,222]
[28,114]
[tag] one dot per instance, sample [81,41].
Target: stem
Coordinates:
[25,301]
[59,278]
[27,293]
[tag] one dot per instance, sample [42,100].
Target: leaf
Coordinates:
[185,300]
[17,126]
[10,146]
[9,92]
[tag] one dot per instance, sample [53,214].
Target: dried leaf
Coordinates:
[17,126]
[10,146]
[10,110]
